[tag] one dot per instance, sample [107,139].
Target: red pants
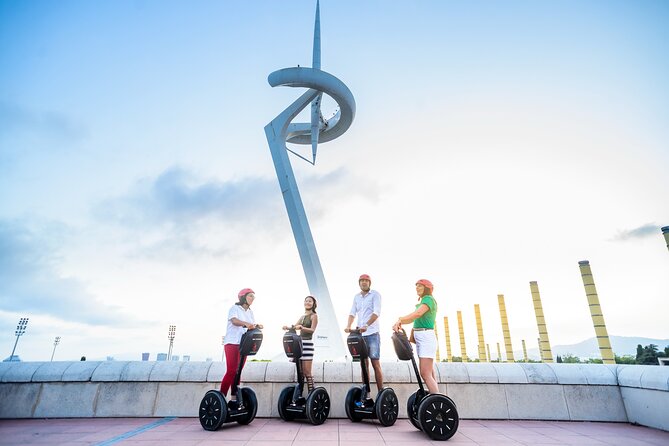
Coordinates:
[231,363]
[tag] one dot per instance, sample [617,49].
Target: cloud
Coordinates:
[644,231]
[176,197]
[20,124]
[29,282]
[178,214]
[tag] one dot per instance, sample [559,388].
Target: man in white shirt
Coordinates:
[367,308]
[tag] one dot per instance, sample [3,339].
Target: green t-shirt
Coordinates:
[426,320]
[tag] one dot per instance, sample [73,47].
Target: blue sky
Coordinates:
[495,143]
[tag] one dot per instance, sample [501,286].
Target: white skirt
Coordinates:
[426,344]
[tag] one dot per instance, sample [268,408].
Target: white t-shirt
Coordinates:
[363,308]
[233,333]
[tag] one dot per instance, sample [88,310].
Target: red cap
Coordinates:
[244,292]
[426,283]
[364,276]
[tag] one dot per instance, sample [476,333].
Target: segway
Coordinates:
[433,413]
[386,407]
[214,410]
[316,406]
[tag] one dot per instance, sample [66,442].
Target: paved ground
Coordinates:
[274,432]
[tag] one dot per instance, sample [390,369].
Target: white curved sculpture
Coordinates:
[328,339]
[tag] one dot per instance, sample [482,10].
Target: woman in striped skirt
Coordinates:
[307,326]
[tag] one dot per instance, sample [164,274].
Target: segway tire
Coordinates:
[412,410]
[438,417]
[213,410]
[285,398]
[251,404]
[354,394]
[387,407]
[318,406]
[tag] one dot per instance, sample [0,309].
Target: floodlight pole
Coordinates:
[55,344]
[170,335]
[20,329]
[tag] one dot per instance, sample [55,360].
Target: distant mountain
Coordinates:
[621,345]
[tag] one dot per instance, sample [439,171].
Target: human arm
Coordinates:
[240,323]
[369,322]
[409,318]
[351,318]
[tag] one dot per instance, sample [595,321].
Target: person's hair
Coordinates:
[313,308]
[242,299]
[426,292]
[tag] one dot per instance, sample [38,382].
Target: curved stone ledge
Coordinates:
[584,392]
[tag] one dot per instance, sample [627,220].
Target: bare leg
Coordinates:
[378,374]
[306,367]
[427,372]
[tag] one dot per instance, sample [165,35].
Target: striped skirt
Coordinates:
[307,350]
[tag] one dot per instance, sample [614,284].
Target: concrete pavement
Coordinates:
[274,432]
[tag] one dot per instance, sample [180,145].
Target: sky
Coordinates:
[494,144]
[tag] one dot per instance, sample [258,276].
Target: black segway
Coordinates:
[386,406]
[433,413]
[214,410]
[316,406]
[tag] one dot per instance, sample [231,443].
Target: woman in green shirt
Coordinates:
[423,318]
[307,324]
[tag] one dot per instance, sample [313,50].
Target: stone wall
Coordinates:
[592,392]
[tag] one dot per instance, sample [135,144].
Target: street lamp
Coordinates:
[223,344]
[20,329]
[170,336]
[55,344]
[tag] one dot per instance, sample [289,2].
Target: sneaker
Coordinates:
[233,405]
[369,402]
[359,404]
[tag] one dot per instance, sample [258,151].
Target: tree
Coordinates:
[570,359]
[559,359]
[625,359]
[647,355]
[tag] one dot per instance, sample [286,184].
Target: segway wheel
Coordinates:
[438,417]
[285,398]
[387,407]
[251,404]
[213,410]
[412,409]
[318,406]
[354,394]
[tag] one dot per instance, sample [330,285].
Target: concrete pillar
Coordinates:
[544,344]
[499,353]
[596,313]
[487,347]
[449,355]
[524,351]
[505,328]
[665,231]
[479,327]
[463,347]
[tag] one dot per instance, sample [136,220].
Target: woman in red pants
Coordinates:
[240,319]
